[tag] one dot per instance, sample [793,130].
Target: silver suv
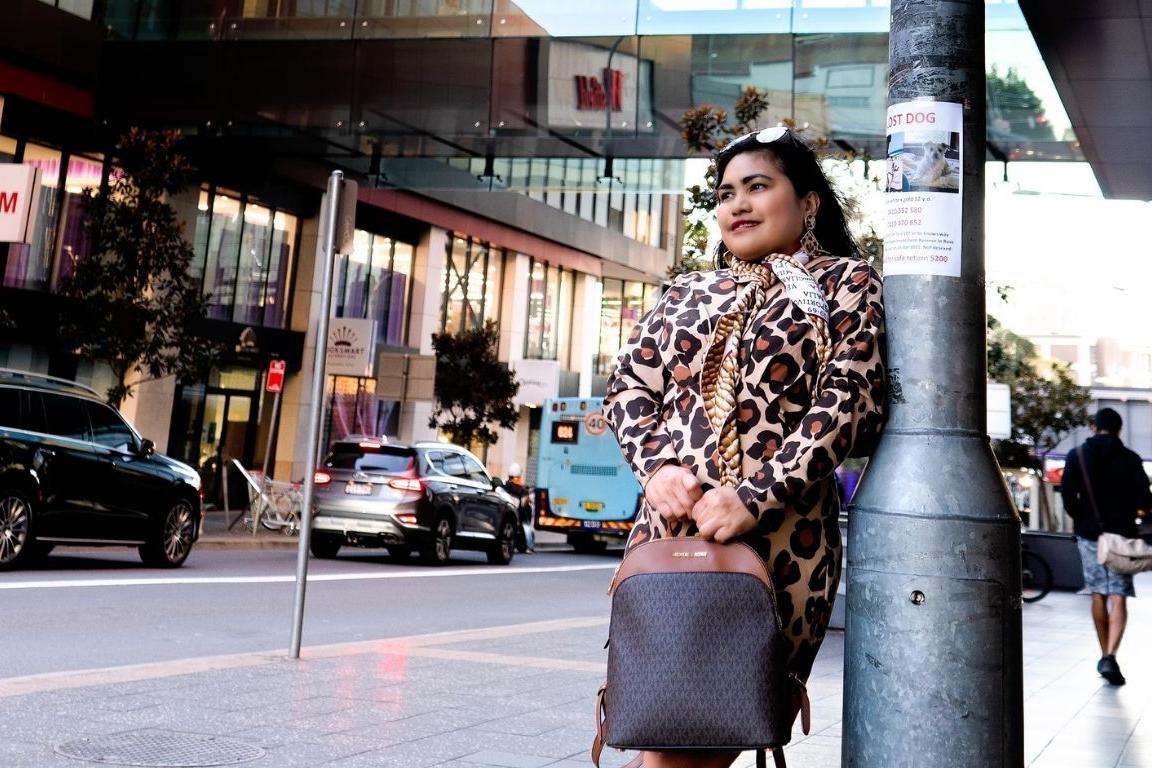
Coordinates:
[427,497]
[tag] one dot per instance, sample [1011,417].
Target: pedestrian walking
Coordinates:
[742,390]
[1104,488]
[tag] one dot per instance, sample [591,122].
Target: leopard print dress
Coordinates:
[791,438]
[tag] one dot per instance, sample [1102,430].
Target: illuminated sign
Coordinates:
[565,431]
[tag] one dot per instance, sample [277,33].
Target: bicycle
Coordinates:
[1035,576]
[277,506]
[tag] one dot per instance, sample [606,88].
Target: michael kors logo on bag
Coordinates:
[689,554]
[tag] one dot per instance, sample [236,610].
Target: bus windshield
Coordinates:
[584,488]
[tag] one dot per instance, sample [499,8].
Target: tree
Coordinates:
[1010,355]
[1046,409]
[1046,405]
[474,390]
[135,305]
[1015,110]
[706,129]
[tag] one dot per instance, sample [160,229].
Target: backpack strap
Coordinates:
[598,740]
[1082,455]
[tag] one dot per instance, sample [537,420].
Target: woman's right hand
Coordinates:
[672,492]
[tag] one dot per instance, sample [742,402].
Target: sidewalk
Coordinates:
[435,700]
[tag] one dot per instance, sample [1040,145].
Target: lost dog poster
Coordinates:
[923,188]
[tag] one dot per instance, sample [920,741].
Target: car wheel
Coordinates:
[505,545]
[173,542]
[440,549]
[399,554]
[16,541]
[324,546]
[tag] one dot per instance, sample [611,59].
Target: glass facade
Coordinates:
[472,279]
[60,238]
[81,8]
[243,254]
[550,311]
[352,408]
[374,282]
[622,304]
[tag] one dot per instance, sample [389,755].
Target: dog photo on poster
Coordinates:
[923,188]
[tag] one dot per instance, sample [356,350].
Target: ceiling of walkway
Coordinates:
[1099,53]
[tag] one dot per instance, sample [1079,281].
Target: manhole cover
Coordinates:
[160,748]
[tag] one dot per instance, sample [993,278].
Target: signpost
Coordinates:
[336,203]
[273,382]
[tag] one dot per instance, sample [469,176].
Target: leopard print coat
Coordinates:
[790,438]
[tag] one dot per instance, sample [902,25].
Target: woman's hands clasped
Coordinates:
[674,493]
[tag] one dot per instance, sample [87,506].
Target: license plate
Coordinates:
[591,524]
[358,489]
[592,506]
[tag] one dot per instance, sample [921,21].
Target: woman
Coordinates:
[744,388]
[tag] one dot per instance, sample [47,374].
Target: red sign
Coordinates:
[274,381]
[593,94]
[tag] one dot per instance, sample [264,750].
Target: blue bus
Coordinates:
[584,488]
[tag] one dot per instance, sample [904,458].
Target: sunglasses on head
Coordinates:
[763,136]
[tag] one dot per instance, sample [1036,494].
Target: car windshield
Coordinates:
[382,459]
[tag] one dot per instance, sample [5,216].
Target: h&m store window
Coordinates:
[60,238]
[622,304]
[243,254]
[550,309]
[472,277]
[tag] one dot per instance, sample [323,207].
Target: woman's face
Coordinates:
[758,210]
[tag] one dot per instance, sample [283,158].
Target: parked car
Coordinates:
[73,472]
[427,497]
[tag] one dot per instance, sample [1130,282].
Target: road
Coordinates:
[89,609]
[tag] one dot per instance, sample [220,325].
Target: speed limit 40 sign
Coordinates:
[595,423]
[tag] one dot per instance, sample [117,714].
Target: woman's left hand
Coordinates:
[721,516]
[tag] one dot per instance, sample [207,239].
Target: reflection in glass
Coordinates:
[83,173]
[471,284]
[28,263]
[243,252]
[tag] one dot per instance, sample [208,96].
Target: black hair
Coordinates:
[798,162]
[1107,420]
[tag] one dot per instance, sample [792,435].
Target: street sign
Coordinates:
[274,381]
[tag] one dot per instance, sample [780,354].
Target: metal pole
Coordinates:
[933,643]
[271,433]
[331,212]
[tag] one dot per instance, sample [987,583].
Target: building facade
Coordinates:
[519,162]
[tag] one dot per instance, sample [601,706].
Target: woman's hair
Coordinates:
[798,162]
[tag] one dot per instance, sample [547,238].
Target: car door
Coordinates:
[66,466]
[469,504]
[489,506]
[132,486]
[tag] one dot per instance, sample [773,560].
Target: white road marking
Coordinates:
[291,578]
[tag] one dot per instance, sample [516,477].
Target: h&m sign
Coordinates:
[594,94]
[19,198]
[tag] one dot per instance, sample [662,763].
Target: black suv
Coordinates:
[428,497]
[72,472]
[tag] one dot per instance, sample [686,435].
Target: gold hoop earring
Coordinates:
[808,240]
